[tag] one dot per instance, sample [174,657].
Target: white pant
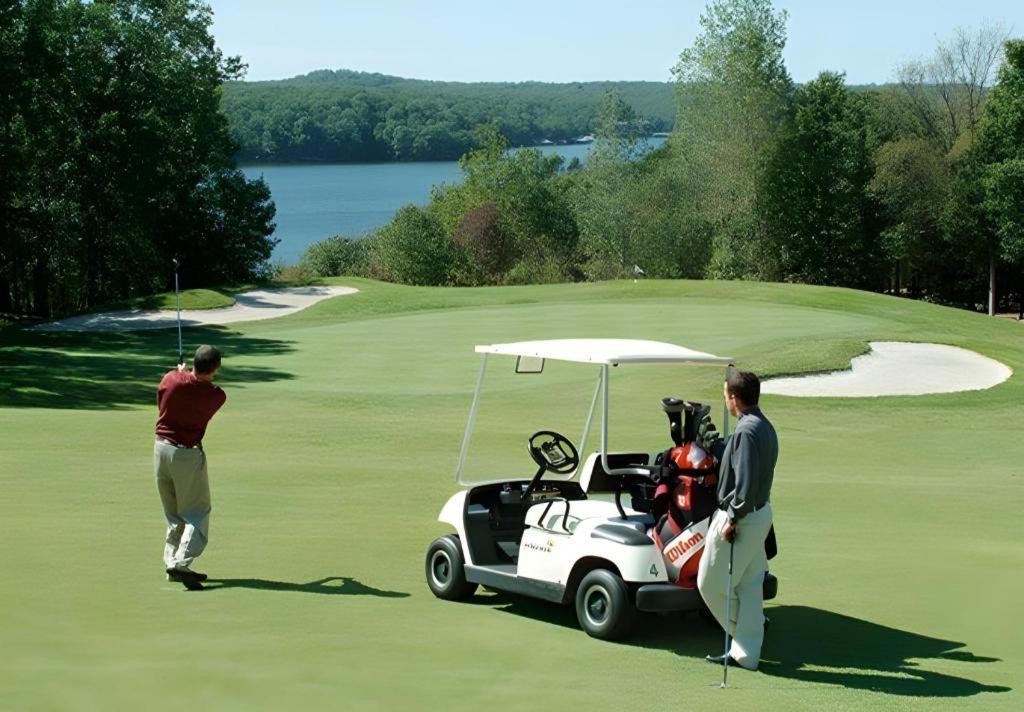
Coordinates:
[184,486]
[749,565]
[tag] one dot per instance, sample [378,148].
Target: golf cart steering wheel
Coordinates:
[552,452]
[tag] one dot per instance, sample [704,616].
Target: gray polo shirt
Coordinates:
[748,465]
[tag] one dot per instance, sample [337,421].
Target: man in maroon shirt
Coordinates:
[186,402]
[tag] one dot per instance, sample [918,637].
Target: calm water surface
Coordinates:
[315,201]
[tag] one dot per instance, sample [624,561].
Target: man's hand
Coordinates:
[729,532]
[181,367]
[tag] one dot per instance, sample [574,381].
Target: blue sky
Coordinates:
[572,40]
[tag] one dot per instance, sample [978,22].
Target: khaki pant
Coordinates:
[749,565]
[184,488]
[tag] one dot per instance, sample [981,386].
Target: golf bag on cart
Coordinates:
[685,498]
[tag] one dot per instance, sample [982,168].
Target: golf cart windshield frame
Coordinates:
[600,391]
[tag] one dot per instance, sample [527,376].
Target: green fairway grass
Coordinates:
[898,518]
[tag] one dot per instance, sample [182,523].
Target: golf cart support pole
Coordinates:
[725,405]
[604,420]
[472,419]
[590,418]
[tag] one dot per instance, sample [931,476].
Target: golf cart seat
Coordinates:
[594,479]
[559,516]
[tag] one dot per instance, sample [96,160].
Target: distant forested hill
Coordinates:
[356,116]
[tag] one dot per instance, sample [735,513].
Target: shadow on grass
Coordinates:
[347,587]
[803,643]
[114,370]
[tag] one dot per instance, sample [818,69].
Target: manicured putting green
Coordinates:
[898,518]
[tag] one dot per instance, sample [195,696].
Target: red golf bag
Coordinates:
[685,499]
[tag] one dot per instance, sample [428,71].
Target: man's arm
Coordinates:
[744,460]
[219,399]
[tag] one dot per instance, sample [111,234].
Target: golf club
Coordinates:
[177,299]
[728,621]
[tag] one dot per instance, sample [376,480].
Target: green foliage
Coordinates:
[1004,203]
[619,136]
[488,247]
[116,155]
[540,267]
[414,249]
[605,195]
[354,116]
[1001,148]
[815,201]
[531,211]
[336,256]
[911,184]
[733,93]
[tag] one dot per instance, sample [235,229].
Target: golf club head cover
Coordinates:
[673,408]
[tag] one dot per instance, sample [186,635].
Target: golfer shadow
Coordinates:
[328,585]
[813,645]
[802,643]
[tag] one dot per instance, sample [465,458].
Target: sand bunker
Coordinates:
[249,306]
[895,368]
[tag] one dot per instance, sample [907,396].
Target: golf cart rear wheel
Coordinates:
[446,569]
[603,606]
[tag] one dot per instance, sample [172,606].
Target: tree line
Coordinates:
[346,116]
[914,188]
[116,156]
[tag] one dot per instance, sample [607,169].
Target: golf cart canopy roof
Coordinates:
[609,352]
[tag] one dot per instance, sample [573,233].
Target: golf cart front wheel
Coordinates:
[603,606]
[446,571]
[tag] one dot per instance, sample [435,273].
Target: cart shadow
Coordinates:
[347,586]
[803,643]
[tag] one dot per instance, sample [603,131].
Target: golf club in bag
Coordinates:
[177,299]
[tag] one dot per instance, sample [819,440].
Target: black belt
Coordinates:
[161,439]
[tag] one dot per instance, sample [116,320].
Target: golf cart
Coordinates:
[614,532]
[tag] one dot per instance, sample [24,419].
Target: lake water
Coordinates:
[315,201]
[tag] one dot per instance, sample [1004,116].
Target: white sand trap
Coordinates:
[894,368]
[249,306]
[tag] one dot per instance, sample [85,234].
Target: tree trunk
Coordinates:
[992,285]
[897,292]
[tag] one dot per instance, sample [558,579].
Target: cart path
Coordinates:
[249,306]
[895,368]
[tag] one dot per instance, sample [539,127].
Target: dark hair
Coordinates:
[207,359]
[744,385]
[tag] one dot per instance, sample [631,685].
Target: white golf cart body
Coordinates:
[572,525]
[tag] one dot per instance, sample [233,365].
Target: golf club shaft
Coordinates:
[728,620]
[177,299]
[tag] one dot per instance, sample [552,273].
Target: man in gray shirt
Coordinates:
[741,524]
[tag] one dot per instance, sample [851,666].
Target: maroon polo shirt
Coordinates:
[186,405]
